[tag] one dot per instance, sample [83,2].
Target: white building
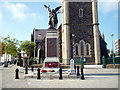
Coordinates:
[6,57]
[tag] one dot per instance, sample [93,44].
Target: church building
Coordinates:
[79,34]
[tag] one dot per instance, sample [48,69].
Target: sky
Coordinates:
[18,18]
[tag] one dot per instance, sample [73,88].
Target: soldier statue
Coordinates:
[53,16]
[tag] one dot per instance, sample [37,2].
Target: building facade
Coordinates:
[80,31]
[38,36]
[78,35]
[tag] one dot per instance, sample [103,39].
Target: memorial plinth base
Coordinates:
[51,49]
[51,62]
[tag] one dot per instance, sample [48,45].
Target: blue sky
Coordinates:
[18,19]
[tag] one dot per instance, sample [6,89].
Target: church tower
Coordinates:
[80,31]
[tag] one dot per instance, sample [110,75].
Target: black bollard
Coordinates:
[60,73]
[32,69]
[78,73]
[75,67]
[16,74]
[38,74]
[26,70]
[82,74]
[6,64]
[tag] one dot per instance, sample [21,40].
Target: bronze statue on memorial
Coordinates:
[53,16]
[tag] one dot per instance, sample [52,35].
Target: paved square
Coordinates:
[94,78]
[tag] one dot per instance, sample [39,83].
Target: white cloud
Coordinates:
[108,0]
[108,6]
[33,0]
[18,10]
[36,16]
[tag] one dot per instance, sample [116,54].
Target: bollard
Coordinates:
[78,73]
[32,69]
[75,67]
[26,70]
[16,74]
[6,64]
[38,74]
[104,62]
[82,74]
[60,73]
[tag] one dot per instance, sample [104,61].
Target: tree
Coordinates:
[28,47]
[9,46]
[2,48]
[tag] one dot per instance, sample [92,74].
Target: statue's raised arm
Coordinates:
[53,16]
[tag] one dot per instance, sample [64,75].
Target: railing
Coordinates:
[110,60]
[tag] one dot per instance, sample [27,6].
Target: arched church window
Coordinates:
[39,37]
[87,49]
[76,50]
[80,12]
[82,48]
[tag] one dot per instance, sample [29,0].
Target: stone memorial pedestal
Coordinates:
[51,49]
[72,69]
[51,44]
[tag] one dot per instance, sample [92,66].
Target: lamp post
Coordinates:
[0,47]
[39,48]
[34,42]
[73,42]
[112,51]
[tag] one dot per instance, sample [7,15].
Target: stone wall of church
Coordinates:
[82,27]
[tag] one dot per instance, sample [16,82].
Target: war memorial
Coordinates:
[77,36]
[70,55]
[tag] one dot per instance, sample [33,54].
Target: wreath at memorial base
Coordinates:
[47,70]
[43,70]
[51,65]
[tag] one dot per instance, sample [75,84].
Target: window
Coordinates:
[87,50]
[80,12]
[76,50]
[39,37]
[82,48]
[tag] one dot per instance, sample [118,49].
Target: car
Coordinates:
[1,63]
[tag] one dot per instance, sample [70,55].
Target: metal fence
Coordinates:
[77,61]
[111,60]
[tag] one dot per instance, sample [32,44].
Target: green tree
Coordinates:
[28,47]
[2,49]
[9,46]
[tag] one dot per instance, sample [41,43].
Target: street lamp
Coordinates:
[0,48]
[73,44]
[112,51]
[39,47]
[34,41]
